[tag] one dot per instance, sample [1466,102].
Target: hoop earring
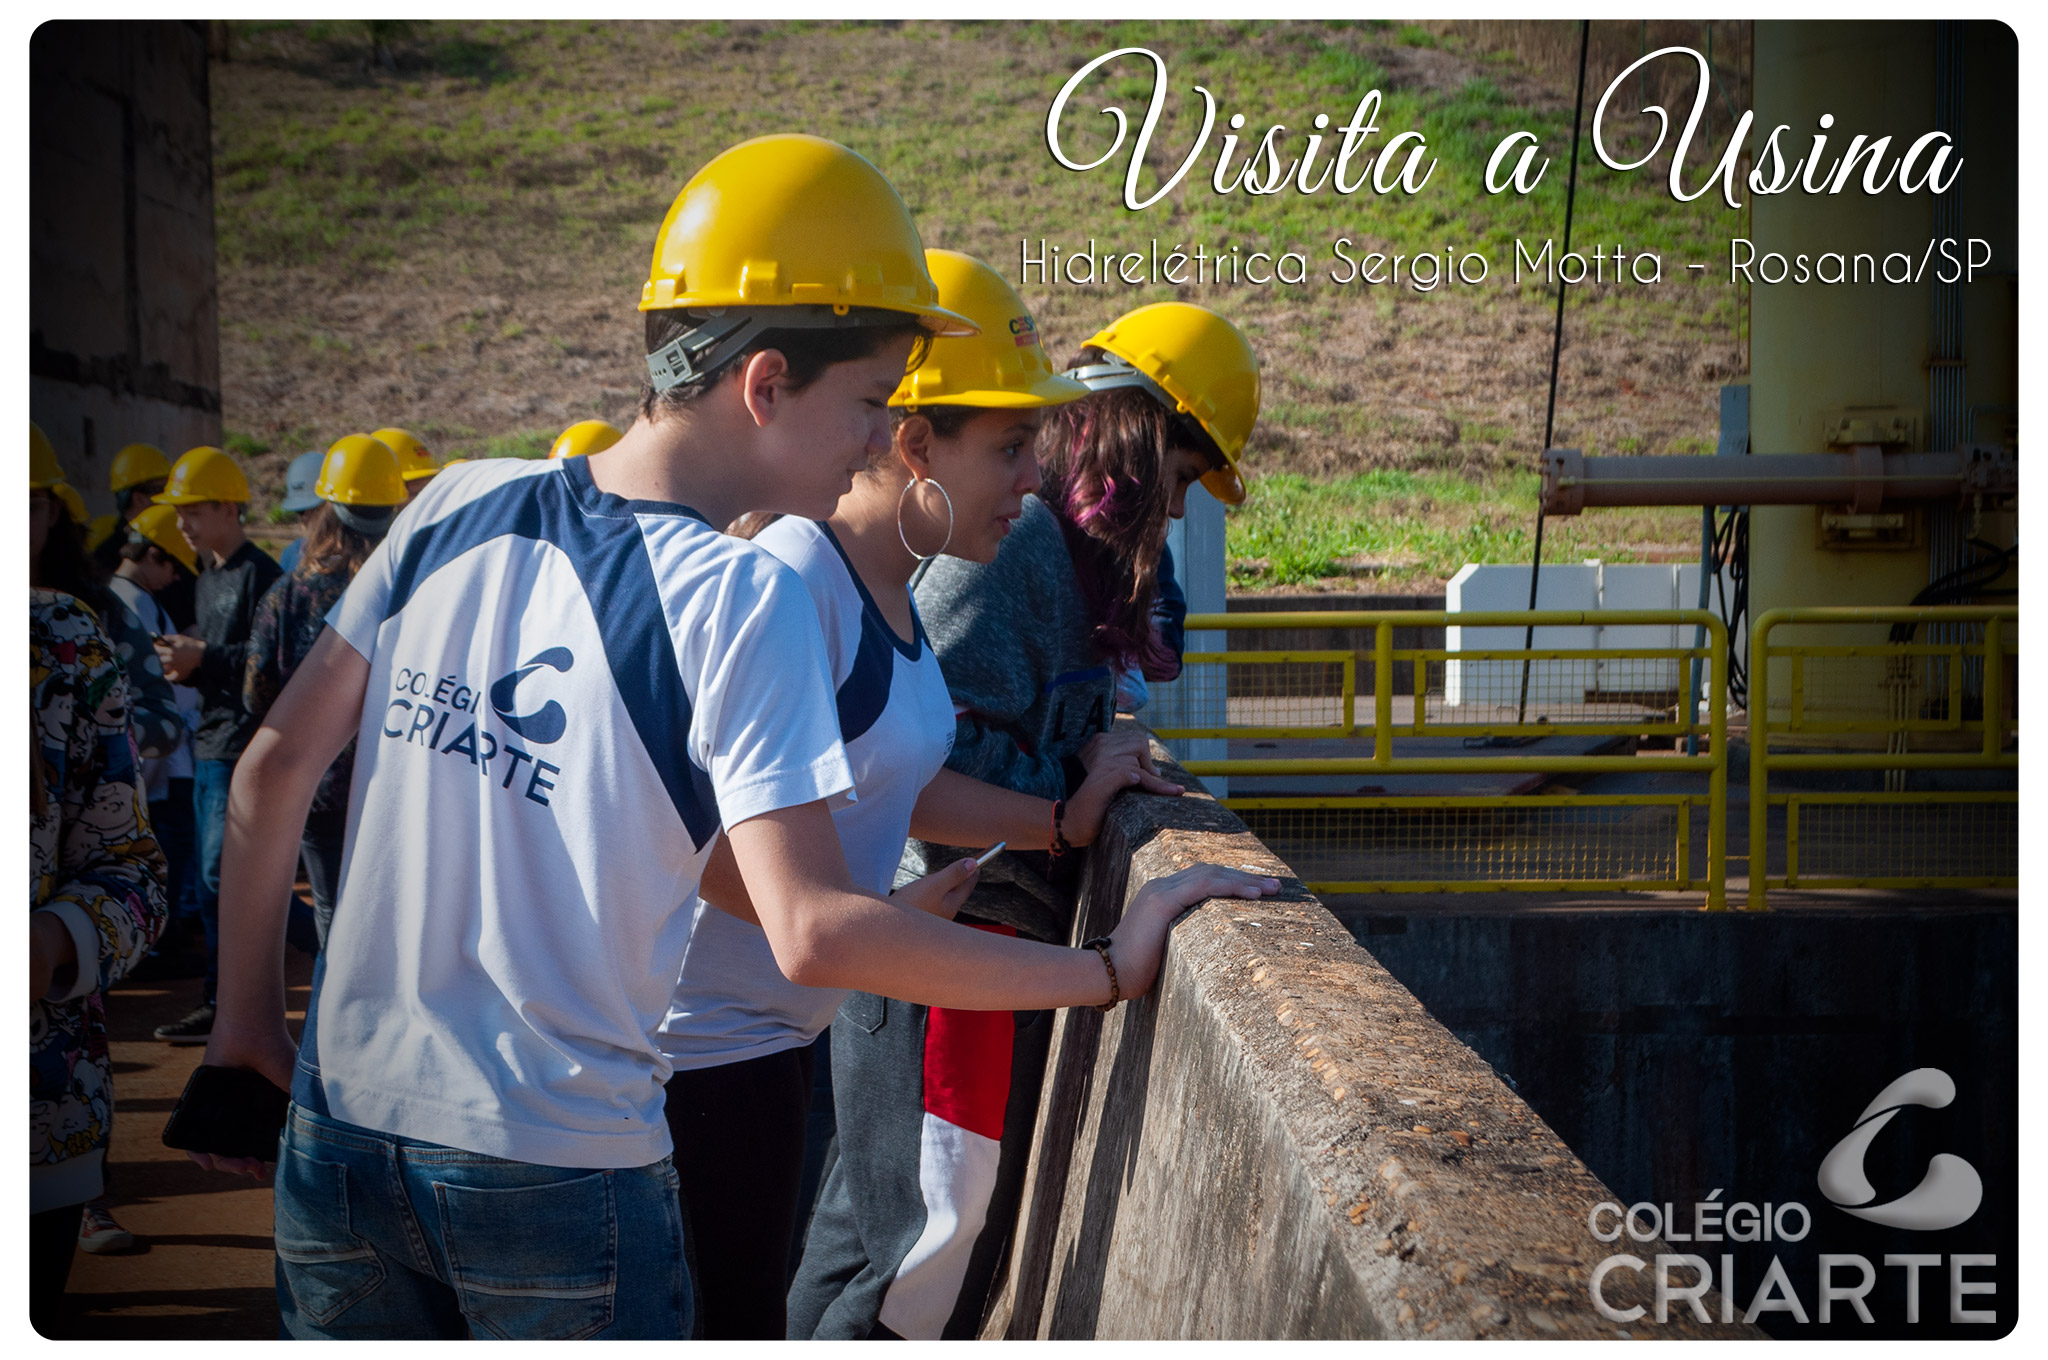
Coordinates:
[923,557]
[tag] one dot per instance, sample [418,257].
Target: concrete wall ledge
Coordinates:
[1281,1142]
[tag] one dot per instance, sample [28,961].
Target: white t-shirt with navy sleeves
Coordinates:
[896,721]
[569,694]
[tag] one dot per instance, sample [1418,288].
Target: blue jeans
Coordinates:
[210,781]
[170,817]
[380,1236]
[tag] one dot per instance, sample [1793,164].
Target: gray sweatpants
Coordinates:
[935,1113]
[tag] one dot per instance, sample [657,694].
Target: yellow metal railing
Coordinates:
[1861,695]
[1504,843]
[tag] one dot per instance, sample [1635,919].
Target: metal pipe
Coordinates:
[1337,765]
[1862,479]
[1440,618]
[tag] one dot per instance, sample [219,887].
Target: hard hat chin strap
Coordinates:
[702,350]
[371,521]
[722,334]
[1112,373]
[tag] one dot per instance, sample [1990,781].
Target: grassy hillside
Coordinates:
[445,226]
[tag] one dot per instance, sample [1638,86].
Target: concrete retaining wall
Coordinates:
[1686,1054]
[1281,1142]
[123,320]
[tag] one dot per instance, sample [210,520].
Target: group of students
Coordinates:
[639,805]
[201,628]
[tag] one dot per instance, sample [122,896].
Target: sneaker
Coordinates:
[98,1232]
[195,1028]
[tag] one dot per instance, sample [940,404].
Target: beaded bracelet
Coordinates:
[1058,843]
[1100,944]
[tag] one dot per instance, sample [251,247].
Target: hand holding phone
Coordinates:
[228,1112]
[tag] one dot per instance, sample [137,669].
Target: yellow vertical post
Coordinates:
[1759,760]
[1955,689]
[1383,693]
[1685,852]
[1994,685]
[1350,666]
[1792,842]
[1717,777]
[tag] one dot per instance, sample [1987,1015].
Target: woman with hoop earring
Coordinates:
[954,480]
[913,1220]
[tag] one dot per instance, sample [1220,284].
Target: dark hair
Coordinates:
[1104,464]
[148,490]
[134,550]
[65,565]
[809,351]
[752,523]
[332,548]
[946,421]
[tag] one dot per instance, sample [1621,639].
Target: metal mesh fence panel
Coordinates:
[1560,691]
[1916,837]
[1437,847]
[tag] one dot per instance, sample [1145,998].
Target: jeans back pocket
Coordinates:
[865,1011]
[533,1262]
[325,1265]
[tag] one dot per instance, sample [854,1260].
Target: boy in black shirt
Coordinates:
[209,491]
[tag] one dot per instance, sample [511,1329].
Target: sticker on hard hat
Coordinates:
[1025,329]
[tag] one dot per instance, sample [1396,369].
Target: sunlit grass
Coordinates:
[1402,531]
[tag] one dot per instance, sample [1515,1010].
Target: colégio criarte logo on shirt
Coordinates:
[424,707]
[546,724]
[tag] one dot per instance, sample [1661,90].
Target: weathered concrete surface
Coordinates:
[123,332]
[1688,1054]
[1281,1142]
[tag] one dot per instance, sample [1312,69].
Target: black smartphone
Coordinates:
[229,1112]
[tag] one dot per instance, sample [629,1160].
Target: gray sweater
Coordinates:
[1017,648]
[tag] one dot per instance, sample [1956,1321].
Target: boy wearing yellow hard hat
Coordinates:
[136,475]
[208,492]
[569,684]
[157,568]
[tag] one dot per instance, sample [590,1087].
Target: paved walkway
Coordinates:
[201,1267]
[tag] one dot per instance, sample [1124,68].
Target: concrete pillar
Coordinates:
[1197,698]
[124,340]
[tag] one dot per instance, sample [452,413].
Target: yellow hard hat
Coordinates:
[159,525]
[585,437]
[1195,362]
[136,464]
[44,470]
[361,470]
[74,504]
[102,528]
[205,474]
[414,462]
[1004,366]
[781,222]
